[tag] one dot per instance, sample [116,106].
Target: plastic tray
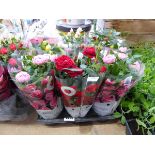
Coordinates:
[65,118]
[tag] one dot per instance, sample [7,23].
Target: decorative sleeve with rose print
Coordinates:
[35,79]
[78,81]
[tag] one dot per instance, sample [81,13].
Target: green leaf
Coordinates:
[123,120]
[148,132]
[140,123]
[117,115]
[152,119]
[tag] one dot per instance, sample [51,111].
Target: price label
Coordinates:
[69,119]
[92,79]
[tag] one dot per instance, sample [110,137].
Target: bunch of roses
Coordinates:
[5,91]
[8,47]
[74,41]
[46,45]
[121,76]
[72,80]
[35,80]
[106,38]
[67,66]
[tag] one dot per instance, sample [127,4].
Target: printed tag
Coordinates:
[93,79]
[70,119]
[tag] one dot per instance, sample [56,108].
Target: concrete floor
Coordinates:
[31,127]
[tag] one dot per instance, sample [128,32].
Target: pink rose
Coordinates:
[22,77]
[122,56]
[41,59]
[123,49]
[109,59]
[12,62]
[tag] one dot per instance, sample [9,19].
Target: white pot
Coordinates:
[106,108]
[78,111]
[51,114]
[8,108]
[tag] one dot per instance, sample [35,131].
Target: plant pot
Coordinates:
[51,114]
[132,126]
[106,108]
[7,108]
[78,94]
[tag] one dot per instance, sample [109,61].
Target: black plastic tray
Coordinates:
[65,118]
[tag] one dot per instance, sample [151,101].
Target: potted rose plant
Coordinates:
[8,103]
[78,80]
[123,72]
[34,77]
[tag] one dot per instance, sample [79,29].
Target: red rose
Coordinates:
[3,50]
[12,47]
[64,62]
[103,69]
[20,45]
[37,94]
[89,52]
[12,62]
[91,88]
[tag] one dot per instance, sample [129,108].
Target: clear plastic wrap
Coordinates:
[111,92]
[37,85]
[78,93]
[8,99]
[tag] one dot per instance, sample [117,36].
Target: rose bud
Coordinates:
[12,62]
[12,47]
[20,45]
[3,50]
[44,82]
[103,69]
